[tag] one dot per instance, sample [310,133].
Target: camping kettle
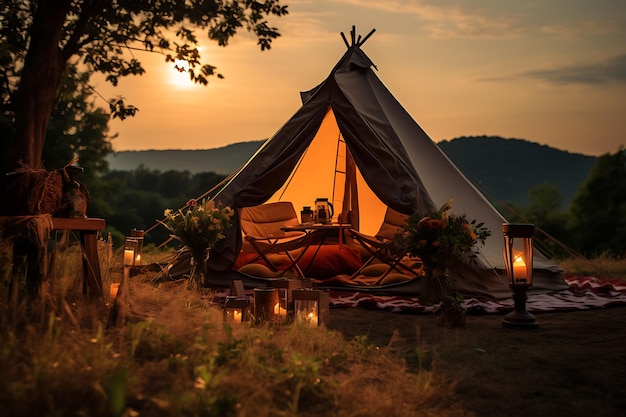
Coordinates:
[324,210]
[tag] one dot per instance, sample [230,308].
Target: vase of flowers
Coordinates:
[441,240]
[198,226]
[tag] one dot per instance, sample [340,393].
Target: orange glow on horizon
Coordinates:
[503,85]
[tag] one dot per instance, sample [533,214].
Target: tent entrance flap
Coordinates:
[320,173]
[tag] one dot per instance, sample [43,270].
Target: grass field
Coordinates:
[177,358]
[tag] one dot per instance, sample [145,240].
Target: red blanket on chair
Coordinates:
[319,262]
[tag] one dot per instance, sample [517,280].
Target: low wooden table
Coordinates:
[326,229]
[88,229]
[321,233]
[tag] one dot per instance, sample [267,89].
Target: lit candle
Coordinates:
[519,270]
[138,260]
[128,256]
[280,312]
[312,318]
[233,315]
[113,290]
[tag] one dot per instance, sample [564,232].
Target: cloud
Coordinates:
[610,71]
[450,19]
[587,28]
[497,20]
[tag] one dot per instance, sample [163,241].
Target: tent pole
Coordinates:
[368,35]
[345,40]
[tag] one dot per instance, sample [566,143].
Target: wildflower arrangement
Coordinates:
[199,225]
[441,239]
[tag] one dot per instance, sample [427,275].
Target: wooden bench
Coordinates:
[88,229]
[29,254]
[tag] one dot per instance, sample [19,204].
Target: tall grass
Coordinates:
[604,266]
[177,358]
[57,358]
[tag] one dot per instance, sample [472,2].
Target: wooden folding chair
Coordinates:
[379,247]
[263,234]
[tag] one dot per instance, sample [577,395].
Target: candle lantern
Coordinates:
[138,235]
[311,306]
[236,310]
[285,291]
[130,251]
[113,289]
[267,305]
[518,259]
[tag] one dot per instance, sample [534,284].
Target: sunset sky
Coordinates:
[552,72]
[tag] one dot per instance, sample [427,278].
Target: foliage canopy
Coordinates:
[38,39]
[599,209]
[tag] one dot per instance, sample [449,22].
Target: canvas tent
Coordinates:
[353,142]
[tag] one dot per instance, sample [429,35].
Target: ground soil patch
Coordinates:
[572,365]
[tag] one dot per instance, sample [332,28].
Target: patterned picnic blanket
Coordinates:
[584,293]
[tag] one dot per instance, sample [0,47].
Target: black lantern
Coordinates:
[236,310]
[310,306]
[518,258]
[138,236]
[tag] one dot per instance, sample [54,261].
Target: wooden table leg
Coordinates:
[91,264]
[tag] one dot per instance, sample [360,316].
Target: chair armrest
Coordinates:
[373,240]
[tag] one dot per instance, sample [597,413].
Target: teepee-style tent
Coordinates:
[353,142]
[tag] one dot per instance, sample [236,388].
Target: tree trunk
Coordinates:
[35,99]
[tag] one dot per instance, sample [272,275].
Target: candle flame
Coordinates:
[279,311]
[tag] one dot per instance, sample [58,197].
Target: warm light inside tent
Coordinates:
[321,173]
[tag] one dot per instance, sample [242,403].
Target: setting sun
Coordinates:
[178,75]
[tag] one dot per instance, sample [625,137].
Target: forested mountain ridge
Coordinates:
[222,160]
[503,169]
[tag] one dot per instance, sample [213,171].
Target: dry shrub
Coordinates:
[604,266]
[31,192]
[174,305]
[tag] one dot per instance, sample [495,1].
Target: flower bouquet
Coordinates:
[441,240]
[198,226]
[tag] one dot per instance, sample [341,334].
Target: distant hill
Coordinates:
[222,160]
[503,169]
